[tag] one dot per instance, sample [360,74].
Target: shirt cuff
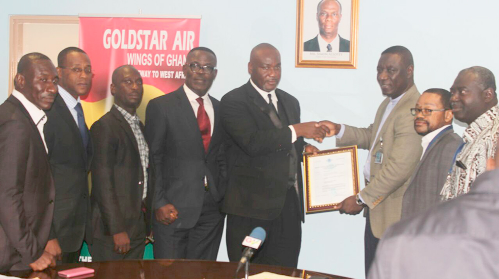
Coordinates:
[293,133]
[341,132]
[360,197]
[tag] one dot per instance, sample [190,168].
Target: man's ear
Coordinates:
[410,71]
[448,115]
[113,89]
[19,81]
[488,95]
[250,68]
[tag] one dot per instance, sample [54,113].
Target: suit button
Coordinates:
[140,182]
[51,201]
[84,196]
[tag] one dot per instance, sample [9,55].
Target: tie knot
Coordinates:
[78,108]
[329,47]
[200,101]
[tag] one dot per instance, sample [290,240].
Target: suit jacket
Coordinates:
[401,152]
[26,190]
[430,174]
[70,164]
[258,153]
[179,159]
[118,180]
[455,239]
[313,45]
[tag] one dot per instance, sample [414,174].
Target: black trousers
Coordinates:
[103,250]
[200,242]
[370,245]
[283,241]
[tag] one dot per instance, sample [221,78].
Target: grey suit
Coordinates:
[456,239]
[429,176]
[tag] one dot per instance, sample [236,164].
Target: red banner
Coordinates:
[157,47]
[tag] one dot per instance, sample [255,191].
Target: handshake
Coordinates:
[317,130]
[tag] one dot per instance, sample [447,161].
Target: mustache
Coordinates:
[420,119]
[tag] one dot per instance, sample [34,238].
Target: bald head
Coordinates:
[127,88]
[265,66]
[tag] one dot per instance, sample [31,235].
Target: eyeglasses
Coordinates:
[196,68]
[424,112]
[78,71]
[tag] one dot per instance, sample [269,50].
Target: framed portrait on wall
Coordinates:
[326,33]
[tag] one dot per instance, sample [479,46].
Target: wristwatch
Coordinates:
[358,200]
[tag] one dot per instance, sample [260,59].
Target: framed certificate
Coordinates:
[330,177]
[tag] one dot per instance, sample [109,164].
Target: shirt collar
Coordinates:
[68,99]
[193,96]
[264,93]
[35,113]
[128,117]
[483,122]
[430,136]
[335,43]
[393,102]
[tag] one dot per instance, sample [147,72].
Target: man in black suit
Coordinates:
[27,190]
[328,40]
[70,153]
[263,157]
[121,195]
[185,133]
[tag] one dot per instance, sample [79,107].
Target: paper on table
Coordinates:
[269,275]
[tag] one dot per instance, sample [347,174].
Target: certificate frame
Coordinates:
[311,207]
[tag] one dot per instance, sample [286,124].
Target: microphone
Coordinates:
[252,243]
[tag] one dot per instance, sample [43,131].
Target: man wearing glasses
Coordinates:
[185,138]
[432,120]
[70,153]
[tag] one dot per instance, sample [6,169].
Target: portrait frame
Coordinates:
[307,30]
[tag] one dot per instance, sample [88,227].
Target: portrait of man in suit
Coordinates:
[432,120]
[265,142]
[70,153]
[27,189]
[393,144]
[329,13]
[121,195]
[186,138]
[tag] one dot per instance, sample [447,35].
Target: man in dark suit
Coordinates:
[121,196]
[27,190]
[70,153]
[264,153]
[186,136]
[328,40]
[432,120]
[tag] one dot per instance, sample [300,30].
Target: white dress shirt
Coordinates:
[265,96]
[425,141]
[70,102]
[335,44]
[208,106]
[37,115]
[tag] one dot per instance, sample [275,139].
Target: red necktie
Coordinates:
[204,124]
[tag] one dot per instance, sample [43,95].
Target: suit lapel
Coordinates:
[257,99]
[377,119]
[66,115]
[126,127]
[288,107]
[216,129]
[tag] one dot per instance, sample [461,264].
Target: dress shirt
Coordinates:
[70,102]
[37,115]
[133,121]
[480,142]
[335,44]
[208,106]
[425,141]
[265,96]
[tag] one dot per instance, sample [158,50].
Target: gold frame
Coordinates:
[350,64]
[355,177]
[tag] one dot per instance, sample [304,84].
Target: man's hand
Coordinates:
[311,149]
[311,130]
[45,260]
[334,128]
[166,214]
[54,249]
[121,243]
[350,206]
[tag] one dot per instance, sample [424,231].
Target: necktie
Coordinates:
[272,104]
[329,48]
[204,124]
[81,125]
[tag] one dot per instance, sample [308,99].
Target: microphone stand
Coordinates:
[246,270]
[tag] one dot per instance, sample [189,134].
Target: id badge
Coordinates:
[378,157]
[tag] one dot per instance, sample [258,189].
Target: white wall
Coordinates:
[444,37]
